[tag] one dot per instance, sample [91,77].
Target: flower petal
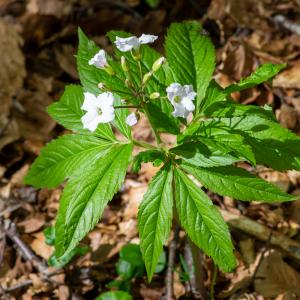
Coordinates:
[89,102]
[147,38]
[105,100]
[99,60]
[131,119]
[127,44]
[107,116]
[90,120]
[188,104]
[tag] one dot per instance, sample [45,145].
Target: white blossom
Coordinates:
[181,97]
[132,119]
[99,109]
[133,42]
[99,60]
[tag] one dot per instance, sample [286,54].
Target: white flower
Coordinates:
[99,60]
[181,97]
[133,42]
[132,119]
[98,110]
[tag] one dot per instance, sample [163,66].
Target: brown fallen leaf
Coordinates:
[275,277]
[40,247]
[289,78]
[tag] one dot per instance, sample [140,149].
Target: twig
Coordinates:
[198,277]
[171,262]
[11,232]
[261,232]
[287,24]
[29,282]
[213,282]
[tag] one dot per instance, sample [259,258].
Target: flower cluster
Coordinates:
[100,109]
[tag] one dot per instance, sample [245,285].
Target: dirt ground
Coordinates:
[38,41]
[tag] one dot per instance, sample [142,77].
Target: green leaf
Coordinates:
[237,183]
[206,153]
[191,56]
[155,156]
[152,3]
[272,145]
[203,222]
[86,195]
[154,218]
[61,157]
[67,112]
[132,254]
[231,109]
[260,75]
[115,295]
[65,259]
[49,233]
[161,263]
[214,94]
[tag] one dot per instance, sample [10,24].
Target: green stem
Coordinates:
[144,145]
[126,106]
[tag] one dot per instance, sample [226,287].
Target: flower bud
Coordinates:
[147,77]
[154,95]
[124,64]
[109,70]
[158,63]
[101,85]
[128,82]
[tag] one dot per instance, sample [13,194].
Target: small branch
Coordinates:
[29,282]
[213,282]
[11,232]
[261,232]
[287,24]
[198,277]
[171,262]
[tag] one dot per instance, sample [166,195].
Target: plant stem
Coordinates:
[144,145]
[126,106]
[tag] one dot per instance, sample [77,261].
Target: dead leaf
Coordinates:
[289,78]
[275,277]
[40,247]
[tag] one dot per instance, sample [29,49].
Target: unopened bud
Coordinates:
[146,77]
[158,63]
[101,85]
[154,95]
[124,64]
[136,54]
[109,70]
[128,82]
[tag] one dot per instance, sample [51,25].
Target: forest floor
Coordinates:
[38,40]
